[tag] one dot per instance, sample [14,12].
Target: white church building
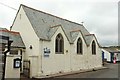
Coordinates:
[55,45]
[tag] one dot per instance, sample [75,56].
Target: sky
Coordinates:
[100,17]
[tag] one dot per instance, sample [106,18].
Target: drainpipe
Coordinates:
[41,55]
[8,49]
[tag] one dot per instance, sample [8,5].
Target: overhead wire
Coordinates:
[8,6]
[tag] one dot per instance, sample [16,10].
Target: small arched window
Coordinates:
[93,48]
[79,46]
[59,44]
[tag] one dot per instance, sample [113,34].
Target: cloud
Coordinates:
[99,16]
[103,21]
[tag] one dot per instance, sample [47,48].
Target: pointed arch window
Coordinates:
[59,44]
[79,46]
[93,48]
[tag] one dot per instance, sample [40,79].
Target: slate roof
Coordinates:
[89,38]
[43,25]
[112,49]
[14,36]
[3,28]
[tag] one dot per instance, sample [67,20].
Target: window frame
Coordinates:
[93,48]
[79,46]
[59,44]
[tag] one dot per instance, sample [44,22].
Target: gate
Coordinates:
[26,68]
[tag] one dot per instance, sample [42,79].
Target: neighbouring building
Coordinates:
[55,45]
[16,51]
[111,53]
[106,56]
[17,43]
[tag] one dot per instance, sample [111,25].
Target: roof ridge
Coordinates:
[89,34]
[51,14]
[55,26]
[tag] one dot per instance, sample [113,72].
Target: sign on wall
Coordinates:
[46,52]
[17,63]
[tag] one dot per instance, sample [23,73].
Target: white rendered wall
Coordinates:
[10,71]
[55,63]
[29,37]
[107,55]
[78,61]
[94,60]
[69,61]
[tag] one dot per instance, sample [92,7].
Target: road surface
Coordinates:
[111,72]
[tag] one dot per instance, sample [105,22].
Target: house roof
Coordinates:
[45,25]
[14,36]
[112,49]
[3,28]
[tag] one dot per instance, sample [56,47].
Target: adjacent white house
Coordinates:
[55,45]
[106,55]
[110,54]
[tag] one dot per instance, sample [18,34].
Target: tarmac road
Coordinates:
[111,72]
